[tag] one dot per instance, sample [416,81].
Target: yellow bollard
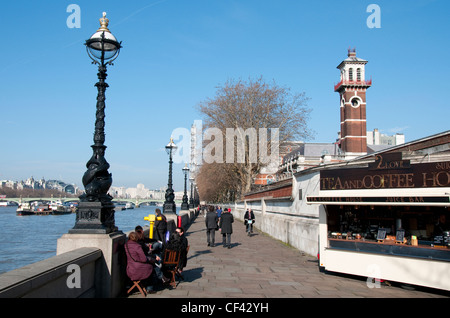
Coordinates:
[151,218]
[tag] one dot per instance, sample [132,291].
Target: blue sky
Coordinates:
[175,53]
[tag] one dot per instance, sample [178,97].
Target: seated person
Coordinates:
[178,242]
[150,246]
[138,265]
[153,257]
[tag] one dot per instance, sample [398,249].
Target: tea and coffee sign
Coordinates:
[389,171]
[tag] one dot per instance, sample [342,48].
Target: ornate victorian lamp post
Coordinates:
[169,203]
[191,199]
[185,204]
[96,210]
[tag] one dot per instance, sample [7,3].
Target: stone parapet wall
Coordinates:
[55,277]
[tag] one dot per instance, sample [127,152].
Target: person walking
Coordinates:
[184,248]
[226,227]
[211,221]
[219,211]
[249,220]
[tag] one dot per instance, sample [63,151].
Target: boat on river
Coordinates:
[58,208]
[129,206]
[25,208]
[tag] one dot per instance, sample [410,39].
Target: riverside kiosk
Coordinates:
[387,220]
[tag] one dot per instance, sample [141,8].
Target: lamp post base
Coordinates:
[169,207]
[94,218]
[184,206]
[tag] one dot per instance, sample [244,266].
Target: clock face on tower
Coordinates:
[355,102]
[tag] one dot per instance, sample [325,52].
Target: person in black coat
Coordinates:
[211,222]
[249,216]
[160,226]
[225,224]
[183,248]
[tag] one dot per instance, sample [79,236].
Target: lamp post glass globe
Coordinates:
[171,147]
[102,45]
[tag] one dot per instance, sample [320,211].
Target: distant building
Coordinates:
[8,184]
[60,186]
[140,192]
[31,183]
[376,138]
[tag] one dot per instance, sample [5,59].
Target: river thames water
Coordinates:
[28,239]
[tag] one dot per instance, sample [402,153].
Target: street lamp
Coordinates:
[185,204]
[169,203]
[191,199]
[96,210]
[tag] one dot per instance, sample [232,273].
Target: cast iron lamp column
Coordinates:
[96,210]
[196,196]
[185,204]
[191,199]
[169,203]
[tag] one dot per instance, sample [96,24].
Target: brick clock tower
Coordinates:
[352,92]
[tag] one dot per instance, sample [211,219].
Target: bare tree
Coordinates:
[244,108]
[216,182]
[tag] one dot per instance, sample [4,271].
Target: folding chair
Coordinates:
[171,260]
[136,283]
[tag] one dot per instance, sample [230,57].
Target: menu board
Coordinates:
[399,236]
[381,235]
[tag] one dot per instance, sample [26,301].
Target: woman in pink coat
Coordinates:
[138,266]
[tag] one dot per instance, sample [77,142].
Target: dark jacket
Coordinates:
[161,225]
[211,220]
[249,217]
[178,243]
[225,223]
[138,267]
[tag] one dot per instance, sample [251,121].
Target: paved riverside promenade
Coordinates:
[262,267]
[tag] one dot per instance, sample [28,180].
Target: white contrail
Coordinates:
[138,11]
